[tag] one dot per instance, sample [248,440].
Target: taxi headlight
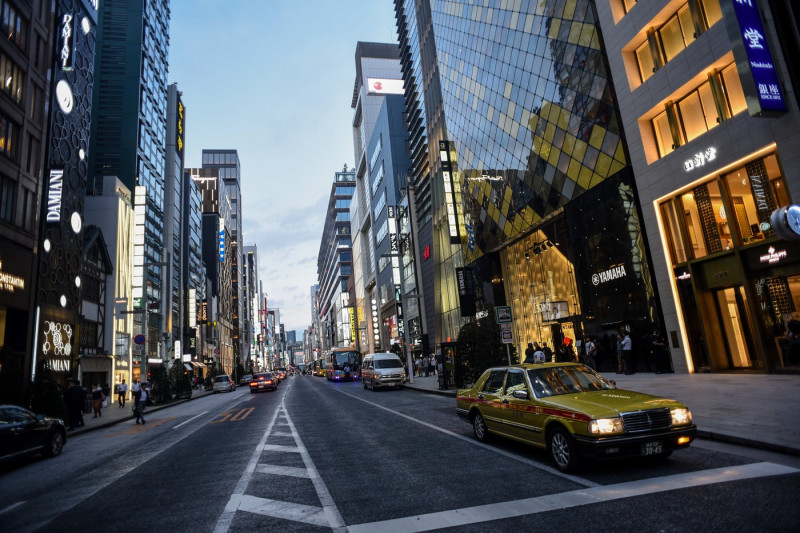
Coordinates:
[605,426]
[681,417]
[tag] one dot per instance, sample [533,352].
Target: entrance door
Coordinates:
[732,307]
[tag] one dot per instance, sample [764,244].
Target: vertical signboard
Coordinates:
[449,192]
[754,61]
[466,291]
[179,135]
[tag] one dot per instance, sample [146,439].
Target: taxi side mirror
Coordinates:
[520,394]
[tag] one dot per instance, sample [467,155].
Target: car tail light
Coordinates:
[253,384]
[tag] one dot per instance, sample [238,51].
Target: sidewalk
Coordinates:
[114,414]
[757,410]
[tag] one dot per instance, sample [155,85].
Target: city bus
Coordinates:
[318,368]
[339,358]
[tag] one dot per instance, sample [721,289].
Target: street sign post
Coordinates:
[503,313]
[504,318]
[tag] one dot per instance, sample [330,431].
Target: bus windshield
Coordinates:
[346,358]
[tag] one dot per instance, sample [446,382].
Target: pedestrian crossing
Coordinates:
[280,453]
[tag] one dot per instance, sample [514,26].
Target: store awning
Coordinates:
[188,366]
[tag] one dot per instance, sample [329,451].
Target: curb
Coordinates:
[449,392]
[84,429]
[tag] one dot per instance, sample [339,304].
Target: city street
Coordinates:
[316,455]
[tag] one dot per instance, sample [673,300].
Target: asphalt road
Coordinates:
[316,455]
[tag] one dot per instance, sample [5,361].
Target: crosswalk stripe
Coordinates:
[565,500]
[282,470]
[296,512]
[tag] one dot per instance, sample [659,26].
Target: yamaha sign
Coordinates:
[611,274]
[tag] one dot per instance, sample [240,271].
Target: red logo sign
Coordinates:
[377,86]
[426,254]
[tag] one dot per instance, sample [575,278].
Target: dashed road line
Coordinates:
[279,470]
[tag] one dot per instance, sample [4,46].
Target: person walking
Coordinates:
[122,391]
[591,353]
[658,347]
[106,394]
[627,354]
[141,403]
[620,358]
[538,355]
[97,400]
[529,351]
[74,398]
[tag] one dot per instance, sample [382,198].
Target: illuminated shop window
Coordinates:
[706,220]
[674,239]
[753,189]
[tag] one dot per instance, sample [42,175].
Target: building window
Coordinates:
[753,189]
[627,5]
[706,220]
[12,26]
[7,189]
[12,79]
[696,113]
[674,240]
[672,37]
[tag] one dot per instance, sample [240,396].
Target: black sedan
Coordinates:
[263,381]
[23,432]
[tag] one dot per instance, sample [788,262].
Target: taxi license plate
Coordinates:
[652,448]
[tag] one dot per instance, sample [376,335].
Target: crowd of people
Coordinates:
[614,352]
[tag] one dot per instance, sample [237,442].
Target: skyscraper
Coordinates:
[128,135]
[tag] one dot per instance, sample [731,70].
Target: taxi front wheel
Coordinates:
[563,451]
[479,427]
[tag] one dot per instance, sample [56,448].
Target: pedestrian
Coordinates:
[591,353]
[793,336]
[627,354]
[97,400]
[141,403]
[529,351]
[426,365]
[620,358]
[106,395]
[74,398]
[658,349]
[548,353]
[122,391]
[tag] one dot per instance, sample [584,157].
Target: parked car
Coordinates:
[23,432]
[245,379]
[224,383]
[382,370]
[263,381]
[573,413]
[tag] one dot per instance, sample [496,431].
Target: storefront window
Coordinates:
[751,190]
[674,240]
[713,12]
[706,220]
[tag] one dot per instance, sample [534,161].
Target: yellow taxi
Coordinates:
[574,413]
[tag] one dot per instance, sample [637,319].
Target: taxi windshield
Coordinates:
[559,380]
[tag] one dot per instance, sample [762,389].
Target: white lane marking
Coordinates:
[10,507]
[225,519]
[335,520]
[182,423]
[296,512]
[279,448]
[529,462]
[279,470]
[281,434]
[564,500]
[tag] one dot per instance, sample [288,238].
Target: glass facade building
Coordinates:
[530,184]
[128,137]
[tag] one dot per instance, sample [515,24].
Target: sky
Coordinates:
[274,79]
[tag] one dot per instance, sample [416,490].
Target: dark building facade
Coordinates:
[23,143]
[521,173]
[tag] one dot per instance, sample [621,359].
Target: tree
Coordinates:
[179,379]
[479,347]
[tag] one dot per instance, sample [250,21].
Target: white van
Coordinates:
[382,370]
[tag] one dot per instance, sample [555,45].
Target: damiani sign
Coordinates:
[609,275]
